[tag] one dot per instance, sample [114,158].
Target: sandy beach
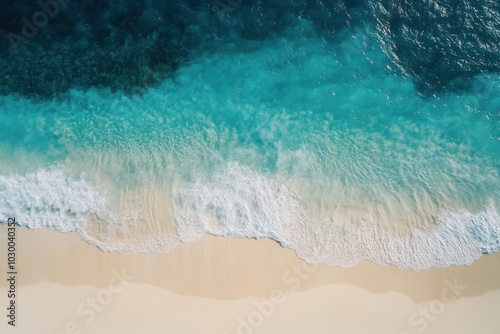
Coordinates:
[224,285]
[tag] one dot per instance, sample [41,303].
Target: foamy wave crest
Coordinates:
[239,202]
[49,198]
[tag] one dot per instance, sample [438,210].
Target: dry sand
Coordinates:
[227,285]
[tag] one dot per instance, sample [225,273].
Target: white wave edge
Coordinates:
[243,204]
[50,199]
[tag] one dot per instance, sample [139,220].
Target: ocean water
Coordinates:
[345,131]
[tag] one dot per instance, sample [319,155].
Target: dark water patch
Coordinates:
[121,45]
[255,20]
[441,44]
[50,46]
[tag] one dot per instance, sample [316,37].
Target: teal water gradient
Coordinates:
[328,150]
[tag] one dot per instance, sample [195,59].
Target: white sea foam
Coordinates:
[48,198]
[241,203]
[51,199]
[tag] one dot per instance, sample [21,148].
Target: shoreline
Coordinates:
[229,268]
[238,286]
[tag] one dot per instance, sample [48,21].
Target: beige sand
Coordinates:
[224,285]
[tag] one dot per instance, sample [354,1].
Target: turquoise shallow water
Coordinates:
[327,148]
